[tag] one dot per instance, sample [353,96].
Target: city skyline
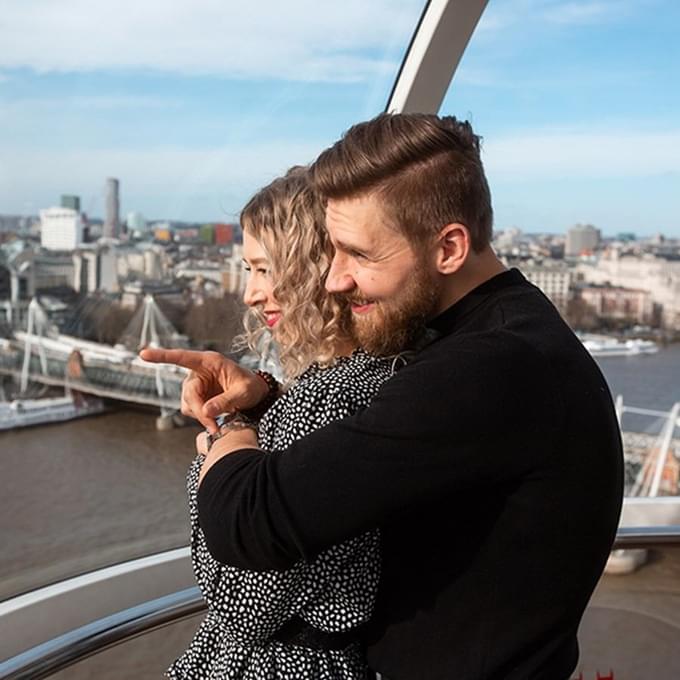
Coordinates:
[196,107]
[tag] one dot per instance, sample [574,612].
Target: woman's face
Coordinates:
[259,289]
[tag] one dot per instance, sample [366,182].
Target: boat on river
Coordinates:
[27,412]
[605,346]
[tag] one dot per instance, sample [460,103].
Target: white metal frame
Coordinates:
[436,49]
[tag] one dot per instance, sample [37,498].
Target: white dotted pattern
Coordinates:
[335,592]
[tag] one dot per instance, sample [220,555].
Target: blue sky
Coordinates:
[194,105]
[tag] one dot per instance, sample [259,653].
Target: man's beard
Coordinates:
[394,325]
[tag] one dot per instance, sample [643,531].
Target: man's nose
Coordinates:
[339,280]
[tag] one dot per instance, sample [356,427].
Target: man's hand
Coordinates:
[215,384]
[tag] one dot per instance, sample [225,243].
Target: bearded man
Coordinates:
[491,463]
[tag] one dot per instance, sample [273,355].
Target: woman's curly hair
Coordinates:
[287,218]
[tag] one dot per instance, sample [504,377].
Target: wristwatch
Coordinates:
[229,422]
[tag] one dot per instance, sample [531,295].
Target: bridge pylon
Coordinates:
[149,327]
[37,328]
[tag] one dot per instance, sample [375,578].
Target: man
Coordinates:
[492,463]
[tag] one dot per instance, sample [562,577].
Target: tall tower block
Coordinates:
[112,220]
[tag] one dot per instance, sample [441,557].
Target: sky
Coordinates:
[195,105]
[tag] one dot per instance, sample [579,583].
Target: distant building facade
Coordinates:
[94,269]
[234,275]
[659,276]
[615,303]
[60,229]
[52,270]
[582,238]
[141,263]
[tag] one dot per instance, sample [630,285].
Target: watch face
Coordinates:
[221,419]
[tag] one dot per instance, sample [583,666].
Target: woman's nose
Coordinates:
[253,295]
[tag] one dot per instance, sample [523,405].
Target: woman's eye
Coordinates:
[264,272]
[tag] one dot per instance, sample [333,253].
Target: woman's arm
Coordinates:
[232,440]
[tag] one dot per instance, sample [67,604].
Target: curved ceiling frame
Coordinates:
[436,48]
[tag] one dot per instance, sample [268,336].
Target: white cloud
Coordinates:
[539,14]
[299,39]
[579,154]
[570,13]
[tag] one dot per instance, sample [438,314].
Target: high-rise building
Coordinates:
[112,219]
[581,238]
[60,229]
[70,201]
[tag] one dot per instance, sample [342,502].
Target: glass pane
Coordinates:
[630,631]
[130,137]
[631,628]
[578,106]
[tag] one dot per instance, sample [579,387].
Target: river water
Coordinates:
[93,492]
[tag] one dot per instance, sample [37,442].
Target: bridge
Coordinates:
[42,355]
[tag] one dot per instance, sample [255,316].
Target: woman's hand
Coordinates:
[215,384]
[232,440]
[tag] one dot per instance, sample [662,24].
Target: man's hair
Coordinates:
[426,170]
[287,218]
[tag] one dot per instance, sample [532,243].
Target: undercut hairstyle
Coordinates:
[287,218]
[425,169]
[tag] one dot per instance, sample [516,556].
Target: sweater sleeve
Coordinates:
[444,424]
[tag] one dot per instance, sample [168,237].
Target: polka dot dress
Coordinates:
[334,593]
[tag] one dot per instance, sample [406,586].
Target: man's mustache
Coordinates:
[350,300]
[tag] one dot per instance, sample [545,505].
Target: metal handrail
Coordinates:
[55,655]
[646,537]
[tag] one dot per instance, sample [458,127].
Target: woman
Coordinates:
[295,624]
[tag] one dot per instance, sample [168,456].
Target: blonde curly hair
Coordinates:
[287,218]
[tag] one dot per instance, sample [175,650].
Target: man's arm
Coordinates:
[438,427]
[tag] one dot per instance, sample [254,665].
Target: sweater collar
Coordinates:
[445,322]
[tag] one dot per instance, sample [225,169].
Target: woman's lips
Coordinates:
[272,318]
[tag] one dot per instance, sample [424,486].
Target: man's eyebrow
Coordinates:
[346,247]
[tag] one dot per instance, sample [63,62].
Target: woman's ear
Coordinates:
[453,248]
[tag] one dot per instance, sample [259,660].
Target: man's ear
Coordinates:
[453,248]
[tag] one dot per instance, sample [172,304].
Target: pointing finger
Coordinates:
[191,359]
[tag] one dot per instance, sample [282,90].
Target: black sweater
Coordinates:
[492,464]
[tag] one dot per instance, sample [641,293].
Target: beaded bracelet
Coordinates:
[257,411]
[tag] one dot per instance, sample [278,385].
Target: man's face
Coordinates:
[392,290]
